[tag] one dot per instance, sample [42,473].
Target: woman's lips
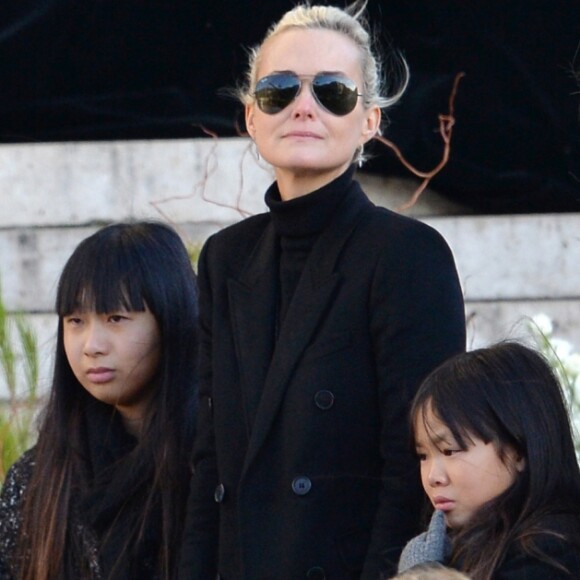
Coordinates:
[303,135]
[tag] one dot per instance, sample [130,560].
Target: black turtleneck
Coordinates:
[298,223]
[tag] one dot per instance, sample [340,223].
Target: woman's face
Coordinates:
[458,481]
[304,140]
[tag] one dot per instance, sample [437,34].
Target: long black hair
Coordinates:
[122,266]
[508,395]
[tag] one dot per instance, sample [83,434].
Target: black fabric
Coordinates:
[308,214]
[560,547]
[113,502]
[308,444]
[516,141]
[298,222]
[158,69]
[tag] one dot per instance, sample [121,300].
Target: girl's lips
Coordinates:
[100,375]
[442,503]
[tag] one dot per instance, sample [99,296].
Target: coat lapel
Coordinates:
[253,316]
[311,300]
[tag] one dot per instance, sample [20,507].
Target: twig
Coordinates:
[446,123]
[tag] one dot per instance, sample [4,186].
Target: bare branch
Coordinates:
[446,123]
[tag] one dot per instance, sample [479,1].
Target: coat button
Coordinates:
[316,573]
[219,493]
[324,400]
[301,485]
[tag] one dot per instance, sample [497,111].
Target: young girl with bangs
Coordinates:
[102,493]
[498,464]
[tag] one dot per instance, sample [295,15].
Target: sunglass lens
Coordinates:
[336,94]
[275,92]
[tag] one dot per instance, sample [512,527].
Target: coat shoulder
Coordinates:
[402,239]
[11,497]
[18,477]
[245,231]
[390,225]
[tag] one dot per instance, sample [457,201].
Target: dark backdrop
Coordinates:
[133,69]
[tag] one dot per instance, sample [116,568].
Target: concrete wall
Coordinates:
[54,195]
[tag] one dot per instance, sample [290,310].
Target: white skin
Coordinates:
[457,481]
[115,357]
[308,146]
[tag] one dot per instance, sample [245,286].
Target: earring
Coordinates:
[359,157]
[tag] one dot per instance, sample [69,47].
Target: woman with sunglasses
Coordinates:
[318,321]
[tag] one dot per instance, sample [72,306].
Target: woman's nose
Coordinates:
[304,102]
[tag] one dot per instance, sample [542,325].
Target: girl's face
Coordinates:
[115,357]
[304,140]
[458,481]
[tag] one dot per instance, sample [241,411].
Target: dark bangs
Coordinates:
[98,278]
[464,397]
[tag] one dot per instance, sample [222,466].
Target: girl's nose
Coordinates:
[95,340]
[437,475]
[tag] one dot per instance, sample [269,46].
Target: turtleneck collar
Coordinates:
[307,215]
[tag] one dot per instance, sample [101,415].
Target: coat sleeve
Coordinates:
[417,322]
[200,541]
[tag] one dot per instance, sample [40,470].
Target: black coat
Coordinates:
[302,466]
[561,546]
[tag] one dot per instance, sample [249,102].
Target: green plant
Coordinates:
[194,250]
[566,363]
[18,350]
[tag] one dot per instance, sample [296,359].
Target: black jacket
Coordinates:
[302,465]
[561,546]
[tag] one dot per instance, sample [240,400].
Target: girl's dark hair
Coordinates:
[124,265]
[508,395]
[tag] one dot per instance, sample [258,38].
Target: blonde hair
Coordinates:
[431,571]
[352,23]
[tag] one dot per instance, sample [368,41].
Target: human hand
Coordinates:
[430,546]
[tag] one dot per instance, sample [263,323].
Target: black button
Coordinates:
[324,400]
[316,573]
[301,485]
[219,493]
[210,403]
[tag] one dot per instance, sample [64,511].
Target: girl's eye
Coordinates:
[421,456]
[450,452]
[72,320]
[117,317]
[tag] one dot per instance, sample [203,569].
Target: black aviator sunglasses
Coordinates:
[335,93]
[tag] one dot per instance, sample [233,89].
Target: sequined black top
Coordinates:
[11,499]
[10,512]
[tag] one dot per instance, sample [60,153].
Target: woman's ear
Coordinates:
[250,127]
[371,124]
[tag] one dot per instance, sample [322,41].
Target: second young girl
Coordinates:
[493,436]
[102,494]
